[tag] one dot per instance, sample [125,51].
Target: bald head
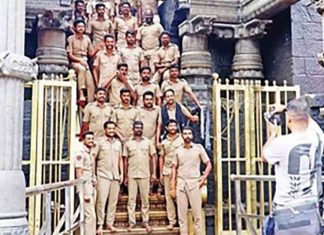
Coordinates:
[148,16]
[298,109]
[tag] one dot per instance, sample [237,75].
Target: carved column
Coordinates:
[320,10]
[15,69]
[51,52]
[247,61]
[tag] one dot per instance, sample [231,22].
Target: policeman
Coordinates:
[169,145]
[137,152]
[186,171]
[110,172]
[84,169]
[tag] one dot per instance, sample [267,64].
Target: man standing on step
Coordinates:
[186,172]
[84,169]
[137,153]
[169,145]
[110,174]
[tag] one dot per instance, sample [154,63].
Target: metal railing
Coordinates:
[70,219]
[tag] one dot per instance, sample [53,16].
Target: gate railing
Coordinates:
[239,132]
[69,219]
[53,131]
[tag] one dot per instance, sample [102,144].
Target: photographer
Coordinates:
[295,204]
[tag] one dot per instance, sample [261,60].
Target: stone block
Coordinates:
[306,48]
[299,67]
[309,84]
[313,67]
[301,12]
[307,30]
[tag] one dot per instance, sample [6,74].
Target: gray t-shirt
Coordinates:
[294,158]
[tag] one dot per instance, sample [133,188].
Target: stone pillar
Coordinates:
[51,52]
[196,65]
[247,62]
[320,10]
[15,69]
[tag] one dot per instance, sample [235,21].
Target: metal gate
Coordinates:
[239,133]
[53,129]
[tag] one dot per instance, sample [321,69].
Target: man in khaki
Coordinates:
[133,56]
[169,145]
[105,64]
[118,82]
[137,153]
[84,169]
[167,55]
[109,8]
[96,114]
[153,6]
[179,86]
[148,36]
[146,85]
[186,172]
[99,26]
[124,23]
[78,49]
[110,174]
[124,116]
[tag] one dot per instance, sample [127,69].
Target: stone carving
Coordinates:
[17,66]
[319,6]
[14,230]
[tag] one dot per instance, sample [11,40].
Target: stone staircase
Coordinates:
[158,217]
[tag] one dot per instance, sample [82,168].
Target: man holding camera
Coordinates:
[295,204]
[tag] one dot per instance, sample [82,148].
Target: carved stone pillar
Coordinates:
[51,52]
[247,62]
[15,69]
[196,64]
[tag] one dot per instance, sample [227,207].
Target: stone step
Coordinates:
[156,203]
[141,231]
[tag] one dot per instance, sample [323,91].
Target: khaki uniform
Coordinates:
[168,148]
[188,176]
[83,160]
[180,86]
[122,25]
[114,91]
[165,55]
[96,117]
[98,29]
[80,47]
[109,155]
[124,118]
[149,36]
[107,65]
[109,8]
[138,155]
[150,4]
[151,118]
[141,89]
[133,57]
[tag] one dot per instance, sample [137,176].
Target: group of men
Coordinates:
[131,94]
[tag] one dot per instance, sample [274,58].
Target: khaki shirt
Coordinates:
[96,117]
[98,29]
[138,154]
[172,112]
[83,160]
[79,47]
[108,155]
[133,58]
[167,54]
[141,89]
[107,65]
[151,119]
[149,36]
[188,161]
[180,86]
[150,4]
[114,91]
[124,118]
[168,148]
[122,25]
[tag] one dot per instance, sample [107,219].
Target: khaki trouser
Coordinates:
[184,197]
[156,79]
[107,189]
[149,58]
[144,186]
[89,217]
[85,80]
[170,207]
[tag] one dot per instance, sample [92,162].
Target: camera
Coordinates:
[276,118]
